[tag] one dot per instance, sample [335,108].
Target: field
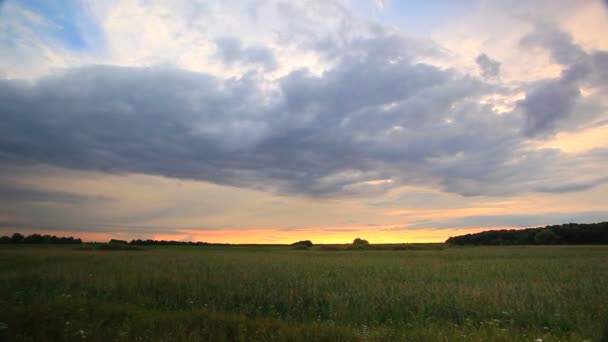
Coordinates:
[62,293]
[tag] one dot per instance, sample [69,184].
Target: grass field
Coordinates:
[62,293]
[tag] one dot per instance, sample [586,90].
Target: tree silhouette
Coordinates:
[360,242]
[17,238]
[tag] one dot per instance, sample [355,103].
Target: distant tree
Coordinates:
[123,242]
[34,238]
[306,243]
[546,237]
[5,239]
[360,242]
[17,238]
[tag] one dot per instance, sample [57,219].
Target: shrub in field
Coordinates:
[360,242]
[303,243]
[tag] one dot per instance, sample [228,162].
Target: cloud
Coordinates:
[12,193]
[230,50]
[375,118]
[362,127]
[560,44]
[557,104]
[489,67]
[547,104]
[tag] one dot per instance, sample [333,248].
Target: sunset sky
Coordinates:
[253,121]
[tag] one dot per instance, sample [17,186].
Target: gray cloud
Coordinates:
[554,105]
[231,50]
[11,193]
[489,67]
[547,104]
[560,45]
[375,120]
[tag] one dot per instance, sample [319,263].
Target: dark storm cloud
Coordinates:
[231,50]
[375,120]
[489,67]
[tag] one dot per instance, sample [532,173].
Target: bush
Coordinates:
[360,242]
[305,243]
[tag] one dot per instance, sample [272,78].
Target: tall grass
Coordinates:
[208,293]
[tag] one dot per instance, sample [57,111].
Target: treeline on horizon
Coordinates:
[39,239]
[150,242]
[564,234]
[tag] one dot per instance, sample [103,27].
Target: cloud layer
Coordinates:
[319,100]
[375,119]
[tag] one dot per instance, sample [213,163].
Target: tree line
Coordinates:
[564,234]
[149,242]
[39,239]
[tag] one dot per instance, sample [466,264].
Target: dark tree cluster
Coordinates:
[565,234]
[360,242]
[39,239]
[305,243]
[149,242]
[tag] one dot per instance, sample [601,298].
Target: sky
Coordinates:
[263,121]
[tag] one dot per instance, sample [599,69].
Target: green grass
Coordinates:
[65,293]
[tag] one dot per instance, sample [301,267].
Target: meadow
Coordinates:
[515,293]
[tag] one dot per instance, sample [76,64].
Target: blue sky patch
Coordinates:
[73,26]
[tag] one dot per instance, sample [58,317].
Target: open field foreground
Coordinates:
[62,293]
